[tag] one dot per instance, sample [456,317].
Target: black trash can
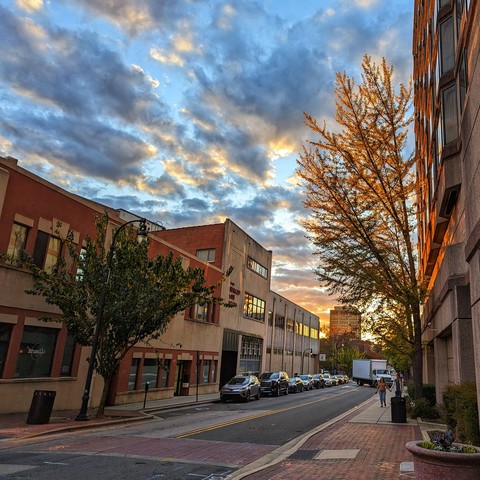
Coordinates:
[399,409]
[41,407]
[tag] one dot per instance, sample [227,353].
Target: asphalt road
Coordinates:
[205,442]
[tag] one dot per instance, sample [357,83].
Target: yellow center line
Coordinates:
[252,417]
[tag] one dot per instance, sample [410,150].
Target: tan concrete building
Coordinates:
[293,337]
[446,48]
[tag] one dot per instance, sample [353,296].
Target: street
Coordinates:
[204,442]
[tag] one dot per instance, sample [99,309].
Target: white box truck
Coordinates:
[369,371]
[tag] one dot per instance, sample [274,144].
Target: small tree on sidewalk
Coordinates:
[361,191]
[142,295]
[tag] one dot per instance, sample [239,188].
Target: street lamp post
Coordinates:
[303,355]
[141,235]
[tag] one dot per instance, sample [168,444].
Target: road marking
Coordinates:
[252,417]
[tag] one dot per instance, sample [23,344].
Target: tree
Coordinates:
[141,296]
[361,190]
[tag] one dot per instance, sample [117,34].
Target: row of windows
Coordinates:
[36,351]
[439,98]
[254,307]
[279,351]
[46,251]
[257,267]
[158,373]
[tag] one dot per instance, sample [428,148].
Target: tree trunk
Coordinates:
[417,354]
[103,401]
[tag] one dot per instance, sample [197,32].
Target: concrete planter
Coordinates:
[438,465]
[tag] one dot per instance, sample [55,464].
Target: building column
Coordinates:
[440,346]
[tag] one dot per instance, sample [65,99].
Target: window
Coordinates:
[206,371]
[164,371]
[206,255]
[279,321]
[53,252]
[462,78]
[82,255]
[450,114]
[36,352]
[132,380]
[5,332]
[18,239]
[306,330]
[46,251]
[270,318]
[201,312]
[447,45]
[68,352]
[254,307]
[290,327]
[149,372]
[314,333]
[257,268]
[214,371]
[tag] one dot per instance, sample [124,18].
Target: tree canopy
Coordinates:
[361,188]
[142,294]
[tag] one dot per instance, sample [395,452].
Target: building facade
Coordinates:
[446,47]
[35,355]
[345,320]
[293,337]
[243,326]
[202,348]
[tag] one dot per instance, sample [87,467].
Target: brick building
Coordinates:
[34,214]
[345,320]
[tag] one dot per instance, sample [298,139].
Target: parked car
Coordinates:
[328,379]
[318,380]
[274,383]
[295,385]
[307,381]
[241,387]
[339,379]
[345,379]
[334,380]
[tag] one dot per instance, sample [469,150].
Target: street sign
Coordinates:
[322,357]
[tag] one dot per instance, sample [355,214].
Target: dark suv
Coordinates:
[274,383]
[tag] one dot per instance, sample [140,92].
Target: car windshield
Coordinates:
[266,376]
[303,377]
[238,381]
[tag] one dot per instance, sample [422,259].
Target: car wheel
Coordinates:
[247,396]
[277,392]
[257,396]
[223,400]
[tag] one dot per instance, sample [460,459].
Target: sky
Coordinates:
[188,112]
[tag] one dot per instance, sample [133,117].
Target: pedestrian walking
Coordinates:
[397,386]
[382,391]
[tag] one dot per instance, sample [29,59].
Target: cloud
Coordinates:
[187,111]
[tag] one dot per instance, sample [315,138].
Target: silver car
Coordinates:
[241,387]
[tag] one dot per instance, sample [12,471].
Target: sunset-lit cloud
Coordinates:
[189,112]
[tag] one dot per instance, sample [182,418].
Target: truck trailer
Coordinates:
[369,371]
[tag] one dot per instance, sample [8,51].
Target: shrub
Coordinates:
[422,408]
[429,392]
[462,411]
